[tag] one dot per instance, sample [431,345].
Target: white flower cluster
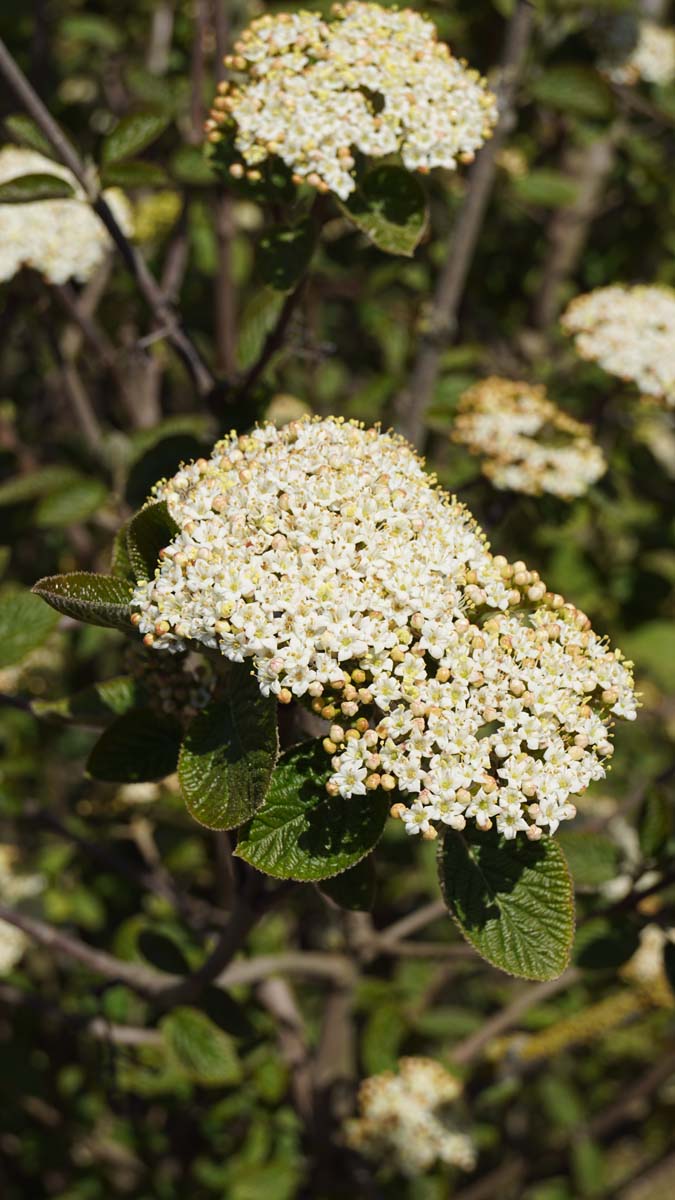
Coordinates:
[527,443]
[398,1124]
[324,553]
[62,239]
[630,332]
[652,58]
[372,80]
[14,888]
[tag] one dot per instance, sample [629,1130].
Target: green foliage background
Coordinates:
[210,1108]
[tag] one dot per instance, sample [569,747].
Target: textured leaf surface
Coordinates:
[95,599]
[390,207]
[147,533]
[303,833]
[136,748]
[200,1048]
[511,899]
[228,755]
[132,135]
[26,189]
[25,623]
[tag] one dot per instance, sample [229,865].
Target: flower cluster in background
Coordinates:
[450,677]
[14,888]
[398,1123]
[373,81]
[652,58]
[526,442]
[630,332]
[62,239]
[178,687]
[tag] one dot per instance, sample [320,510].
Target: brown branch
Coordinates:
[96,1027]
[278,999]
[506,1017]
[411,405]
[162,310]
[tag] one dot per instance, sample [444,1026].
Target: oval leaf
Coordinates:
[133,174]
[22,129]
[26,189]
[95,705]
[511,899]
[137,748]
[95,599]
[147,533]
[228,755]
[303,833]
[23,488]
[285,254]
[201,1050]
[25,624]
[390,207]
[76,502]
[574,89]
[132,135]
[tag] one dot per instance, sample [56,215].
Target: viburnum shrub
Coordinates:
[320,566]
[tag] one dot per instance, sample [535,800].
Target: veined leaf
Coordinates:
[228,755]
[206,1054]
[303,833]
[25,623]
[132,135]
[390,207]
[147,533]
[95,599]
[139,746]
[26,189]
[511,899]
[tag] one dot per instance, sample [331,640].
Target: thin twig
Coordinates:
[96,1027]
[411,405]
[506,1017]
[203,379]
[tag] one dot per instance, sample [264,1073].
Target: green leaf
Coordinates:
[26,189]
[162,952]
[151,530]
[160,460]
[137,747]
[95,30]
[592,858]
[258,319]
[133,174]
[120,563]
[23,488]
[390,207]
[285,254]
[206,1054]
[652,646]
[80,499]
[190,165]
[550,189]
[354,889]
[25,624]
[303,833]
[95,599]
[574,89]
[133,134]
[25,132]
[228,755]
[655,823]
[93,705]
[604,945]
[511,899]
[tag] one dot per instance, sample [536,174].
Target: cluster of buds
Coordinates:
[526,442]
[371,81]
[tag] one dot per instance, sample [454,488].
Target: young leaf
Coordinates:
[26,189]
[25,132]
[228,755]
[200,1048]
[25,624]
[95,599]
[138,747]
[258,319]
[390,207]
[354,889]
[285,254]
[93,705]
[303,833]
[133,174]
[511,899]
[147,533]
[24,488]
[120,563]
[79,500]
[132,135]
